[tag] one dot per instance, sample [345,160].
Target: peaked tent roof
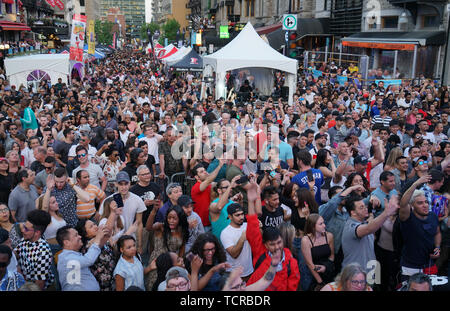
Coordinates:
[177,56]
[248,49]
[192,61]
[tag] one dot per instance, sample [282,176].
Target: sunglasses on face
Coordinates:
[81,155]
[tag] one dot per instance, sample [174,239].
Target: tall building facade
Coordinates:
[164,10]
[133,10]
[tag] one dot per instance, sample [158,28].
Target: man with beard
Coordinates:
[234,240]
[320,141]
[111,137]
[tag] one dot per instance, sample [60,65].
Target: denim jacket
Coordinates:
[334,219]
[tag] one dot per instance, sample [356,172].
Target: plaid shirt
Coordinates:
[35,260]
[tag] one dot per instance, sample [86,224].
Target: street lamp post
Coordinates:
[150,38]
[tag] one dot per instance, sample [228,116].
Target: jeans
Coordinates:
[306,277]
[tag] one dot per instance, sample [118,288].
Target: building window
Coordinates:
[8,8]
[230,10]
[82,3]
[430,21]
[389,22]
[325,5]
[250,8]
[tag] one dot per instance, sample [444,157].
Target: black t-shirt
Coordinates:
[150,192]
[62,148]
[36,166]
[418,240]
[297,221]
[6,185]
[271,219]
[131,170]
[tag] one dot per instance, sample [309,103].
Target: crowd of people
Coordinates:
[132,179]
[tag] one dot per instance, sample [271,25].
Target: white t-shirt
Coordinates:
[152,146]
[131,206]
[124,136]
[91,151]
[229,237]
[95,174]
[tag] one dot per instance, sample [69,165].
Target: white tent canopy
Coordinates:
[56,66]
[182,52]
[249,50]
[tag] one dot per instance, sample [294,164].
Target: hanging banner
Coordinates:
[77,38]
[224,34]
[198,38]
[59,4]
[91,37]
[52,3]
[114,41]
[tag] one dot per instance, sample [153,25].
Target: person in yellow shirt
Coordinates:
[352,68]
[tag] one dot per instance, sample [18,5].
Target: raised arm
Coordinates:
[211,176]
[391,208]
[405,208]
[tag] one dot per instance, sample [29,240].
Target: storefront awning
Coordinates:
[267,29]
[394,40]
[12,26]
[305,27]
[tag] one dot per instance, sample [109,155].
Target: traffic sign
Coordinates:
[289,22]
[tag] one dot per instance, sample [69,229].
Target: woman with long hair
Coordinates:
[170,236]
[6,180]
[212,253]
[56,221]
[103,267]
[112,166]
[318,251]
[325,163]
[393,155]
[7,222]
[305,204]
[162,264]
[357,179]
[352,278]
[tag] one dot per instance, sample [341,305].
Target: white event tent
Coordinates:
[19,69]
[182,52]
[249,50]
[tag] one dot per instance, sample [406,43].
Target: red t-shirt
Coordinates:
[202,201]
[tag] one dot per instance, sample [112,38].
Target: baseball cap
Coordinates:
[233,208]
[318,136]
[361,160]
[184,200]
[66,118]
[122,176]
[3,159]
[339,118]
[176,272]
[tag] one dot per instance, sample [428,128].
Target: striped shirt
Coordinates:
[385,121]
[87,210]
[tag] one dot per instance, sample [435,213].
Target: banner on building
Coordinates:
[198,38]
[91,37]
[52,3]
[114,41]
[77,38]
[389,82]
[224,34]
[59,4]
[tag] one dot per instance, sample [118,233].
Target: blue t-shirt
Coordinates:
[222,222]
[285,152]
[301,179]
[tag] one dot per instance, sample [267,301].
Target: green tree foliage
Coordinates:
[170,29]
[152,26]
[104,31]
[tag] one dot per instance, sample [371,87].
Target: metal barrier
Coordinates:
[162,183]
[186,182]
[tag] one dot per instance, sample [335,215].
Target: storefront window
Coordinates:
[404,64]
[426,61]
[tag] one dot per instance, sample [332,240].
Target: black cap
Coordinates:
[339,118]
[409,127]
[361,160]
[318,136]
[184,200]
[233,208]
